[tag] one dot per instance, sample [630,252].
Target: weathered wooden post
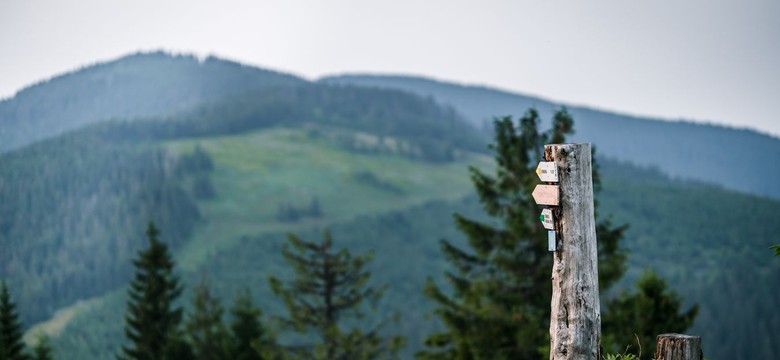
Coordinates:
[575,318]
[678,347]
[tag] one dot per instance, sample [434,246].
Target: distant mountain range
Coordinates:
[159,85]
[734,158]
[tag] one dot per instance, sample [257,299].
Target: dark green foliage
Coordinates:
[250,338]
[11,345]
[652,310]
[776,248]
[205,328]
[202,188]
[199,161]
[287,212]
[500,304]
[42,349]
[330,288]
[68,207]
[152,319]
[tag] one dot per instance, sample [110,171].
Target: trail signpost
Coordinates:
[575,316]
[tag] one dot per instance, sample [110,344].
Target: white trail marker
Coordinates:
[547,219]
[547,171]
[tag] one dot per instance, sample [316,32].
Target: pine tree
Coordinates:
[42,349]
[499,307]
[205,328]
[250,339]
[11,345]
[329,288]
[152,320]
[654,309]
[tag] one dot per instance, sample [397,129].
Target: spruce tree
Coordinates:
[11,345]
[654,309]
[250,338]
[205,328]
[152,319]
[499,305]
[329,288]
[42,349]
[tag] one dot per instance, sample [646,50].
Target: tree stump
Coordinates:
[678,347]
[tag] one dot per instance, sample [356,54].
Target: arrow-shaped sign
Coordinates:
[546,195]
[547,219]
[547,171]
[551,243]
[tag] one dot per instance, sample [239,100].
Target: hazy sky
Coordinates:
[716,61]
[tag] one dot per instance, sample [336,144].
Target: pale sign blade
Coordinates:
[547,171]
[551,243]
[546,195]
[547,219]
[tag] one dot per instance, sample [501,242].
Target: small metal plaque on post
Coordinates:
[552,245]
[547,171]
[546,195]
[547,219]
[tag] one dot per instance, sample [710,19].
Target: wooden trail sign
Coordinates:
[547,171]
[546,195]
[547,219]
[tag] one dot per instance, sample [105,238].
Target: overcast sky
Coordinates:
[715,61]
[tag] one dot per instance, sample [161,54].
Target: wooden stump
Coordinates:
[678,347]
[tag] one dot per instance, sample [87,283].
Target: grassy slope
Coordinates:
[257,172]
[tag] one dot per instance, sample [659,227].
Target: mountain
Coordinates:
[733,158]
[139,85]
[227,176]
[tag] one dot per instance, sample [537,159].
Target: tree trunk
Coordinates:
[575,318]
[678,347]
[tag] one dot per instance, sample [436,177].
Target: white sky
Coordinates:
[703,60]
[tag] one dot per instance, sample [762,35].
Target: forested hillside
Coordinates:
[709,153]
[139,85]
[227,171]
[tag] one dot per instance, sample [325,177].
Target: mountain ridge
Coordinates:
[685,150]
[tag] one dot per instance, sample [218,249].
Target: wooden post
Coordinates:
[575,318]
[678,347]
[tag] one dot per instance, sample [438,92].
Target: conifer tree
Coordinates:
[499,306]
[11,345]
[205,328]
[330,287]
[152,319]
[654,309]
[42,349]
[250,338]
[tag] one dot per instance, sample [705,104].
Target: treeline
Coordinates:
[328,290]
[75,195]
[433,132]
